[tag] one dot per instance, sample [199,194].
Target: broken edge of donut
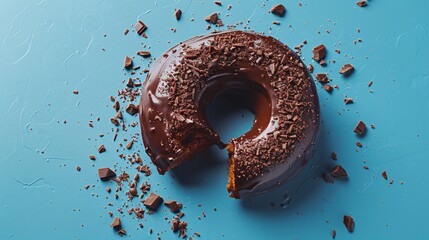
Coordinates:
[231,169]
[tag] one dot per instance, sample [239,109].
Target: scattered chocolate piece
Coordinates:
[338,172]
[359,144]
[174,206]
[322,77]
[116,224]
[278,10]
[384,174]
[153,201]
[175,225]
[347,69]
[128,62]
[349,223]
[334,234]
[101,149]
[178,14]
[122,232]
[115,121]
[92,157]
[348,100]
[360,128]
[328,88]
[129,144]
[75,92]
[334,156]
[212,18]
[144,54]
[116,106]
[126,31]
[370,84]
[361,3]
[106,173]
[133,191]
[132,109]
[322,62]
[78,168]
[140,27]
[310,68]
[319,52]
[218,3]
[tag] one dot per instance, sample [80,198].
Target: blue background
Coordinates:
[50,48]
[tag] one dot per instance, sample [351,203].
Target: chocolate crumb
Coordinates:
[174,206]
[334,234]
[334,156]
[128,62]
[384,174]
[126,31]
[129,144]
[106,173]
[122,232]
[319,52]
[140,27]
[348,100]
[310,68]
[116,224]
[92,157]
[359,144]
[78,168]
[338,172]
[144,54]
[322,77]
[360,128]
[278,10]
[349,223]
[153,201]
[75,92]
[132,109]
[101,149]
[347,70]
[361,3]
[212,18]
[218,3]
[178,14]
[328,88]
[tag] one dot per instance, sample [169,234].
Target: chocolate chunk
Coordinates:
[359,144]
[338,172]
[106,173]
[101,149]
[144,54]
[361,3]
[212,18]
[328,88]
[384,174]
[310,68]
[122,232]
[133,191]
[334,156]
[132,109]
[278,10]
[348,100]
[78,168]
[116,106]
[178,14]
[129,144]
[218,3]
[347,69]
[319,52]
[174,206]
[114,121]
[128,62]
[116,224]
[130,83]
[153,201]
[349,223]
[360,128]
[322,77]
[140,27]
[175,225]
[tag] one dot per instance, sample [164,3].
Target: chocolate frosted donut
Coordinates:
[271,79]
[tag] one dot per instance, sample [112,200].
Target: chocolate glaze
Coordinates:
[264,156]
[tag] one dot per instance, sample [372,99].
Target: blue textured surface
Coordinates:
[50,48]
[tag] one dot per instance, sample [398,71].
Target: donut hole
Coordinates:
[235,106]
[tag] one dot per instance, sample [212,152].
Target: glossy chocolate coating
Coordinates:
[258,87]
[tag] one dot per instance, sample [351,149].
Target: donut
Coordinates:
[272,80]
